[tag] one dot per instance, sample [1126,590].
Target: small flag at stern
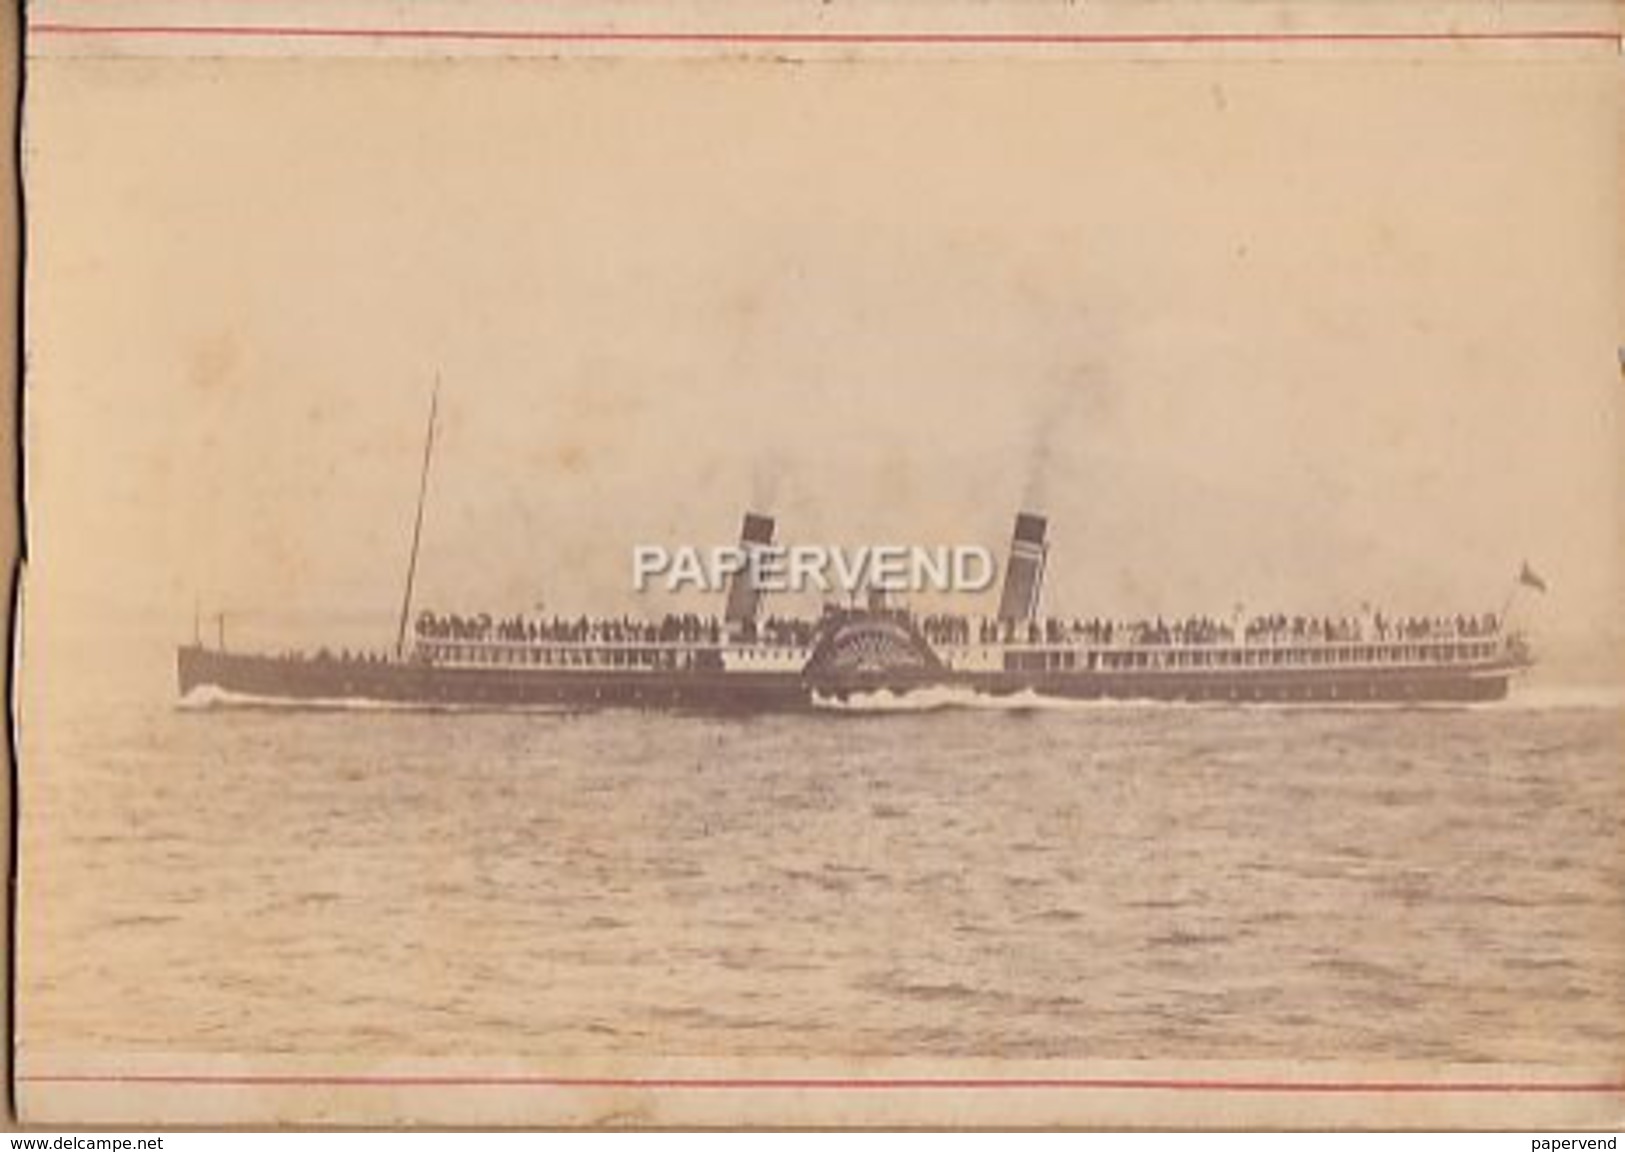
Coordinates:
[1529,578]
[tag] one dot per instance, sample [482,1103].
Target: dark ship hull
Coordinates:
[318,681]
[325,681]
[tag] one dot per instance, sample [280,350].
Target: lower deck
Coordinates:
[334,679]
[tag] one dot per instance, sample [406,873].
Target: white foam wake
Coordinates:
[206,697]
[1558,697]
[938,698]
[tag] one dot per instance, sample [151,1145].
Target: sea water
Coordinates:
[945,876]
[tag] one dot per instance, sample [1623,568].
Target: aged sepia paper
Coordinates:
[10,231]
[1273,353]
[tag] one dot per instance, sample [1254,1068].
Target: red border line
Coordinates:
[557,36]
[887,1084]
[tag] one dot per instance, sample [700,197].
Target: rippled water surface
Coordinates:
[1092,882]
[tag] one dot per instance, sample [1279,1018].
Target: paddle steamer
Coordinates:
[744,662]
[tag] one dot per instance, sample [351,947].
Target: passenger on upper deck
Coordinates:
[951,629]
[1278,628]
[686,627]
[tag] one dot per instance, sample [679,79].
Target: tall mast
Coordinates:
[417,522]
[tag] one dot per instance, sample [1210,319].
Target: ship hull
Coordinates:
[317,681]
[249,678]
[1335,687]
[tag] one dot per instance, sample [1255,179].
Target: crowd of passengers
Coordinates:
[949,630]
[1199,630]
[685,628]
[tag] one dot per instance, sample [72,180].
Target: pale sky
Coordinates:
[1298,335]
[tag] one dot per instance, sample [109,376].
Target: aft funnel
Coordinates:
[1024,570]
